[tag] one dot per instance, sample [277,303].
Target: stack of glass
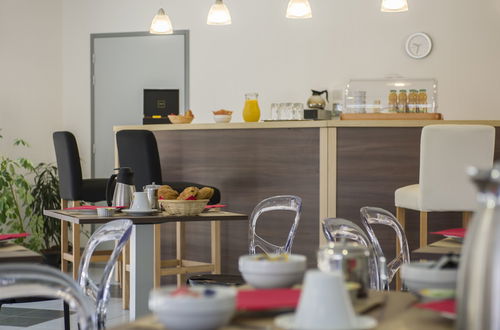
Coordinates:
[287,111]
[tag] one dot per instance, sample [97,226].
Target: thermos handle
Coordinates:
[109,185]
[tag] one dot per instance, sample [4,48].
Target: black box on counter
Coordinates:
[317,114]
[158,104]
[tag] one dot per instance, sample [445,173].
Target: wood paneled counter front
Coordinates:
[335,166]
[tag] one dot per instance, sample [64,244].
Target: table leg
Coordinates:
[141,269]
[180,228]
[215,238]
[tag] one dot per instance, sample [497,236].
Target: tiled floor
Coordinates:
[45,315]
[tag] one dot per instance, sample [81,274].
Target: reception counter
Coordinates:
[335,166]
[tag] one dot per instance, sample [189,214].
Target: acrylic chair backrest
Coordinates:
[377,216]
[28,280]
[275,203]
[338,229]
[119,231]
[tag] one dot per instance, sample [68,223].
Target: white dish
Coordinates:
[140,212]
[187,312]
[267,274]
[418,276]
[286,321]
[222,118]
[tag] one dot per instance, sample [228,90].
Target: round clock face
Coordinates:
[418,45]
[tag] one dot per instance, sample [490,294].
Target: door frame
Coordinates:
[93,37]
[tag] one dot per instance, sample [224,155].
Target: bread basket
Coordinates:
[183,207]
[179,119]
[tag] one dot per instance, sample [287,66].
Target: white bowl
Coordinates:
[188,313]
[266,274]
[222,118]
[419,275]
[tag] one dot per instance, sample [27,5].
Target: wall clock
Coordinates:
[418,45]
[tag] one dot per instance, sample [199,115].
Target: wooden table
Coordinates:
[394,311]
[10,252]
[142,246]
[444,246]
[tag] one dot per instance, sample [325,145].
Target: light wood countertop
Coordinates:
[308,124]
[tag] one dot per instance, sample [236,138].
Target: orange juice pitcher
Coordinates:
[251,111]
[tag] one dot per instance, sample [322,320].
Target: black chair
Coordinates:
[73,189]
[138,150]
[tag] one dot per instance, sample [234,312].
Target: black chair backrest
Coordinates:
[138,150]
[68,165]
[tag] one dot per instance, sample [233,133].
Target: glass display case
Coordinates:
[391,95]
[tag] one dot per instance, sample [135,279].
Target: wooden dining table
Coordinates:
[11,252]
[142,245]
[443,246]
[393,310]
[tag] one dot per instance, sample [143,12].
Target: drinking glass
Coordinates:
[275,111]
[298,111]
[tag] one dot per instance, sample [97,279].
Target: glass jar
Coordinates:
[402,101]
[413,100]
[393,101]
[422,100]
[251,111]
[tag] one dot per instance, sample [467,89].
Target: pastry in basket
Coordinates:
[166,192]
[205,193]
[188,193]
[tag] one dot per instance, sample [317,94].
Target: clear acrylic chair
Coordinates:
[27,280]
[377,216]
[118,231]
[338,230]
[275,203]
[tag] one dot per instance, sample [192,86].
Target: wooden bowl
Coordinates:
[182,207]
[179,119]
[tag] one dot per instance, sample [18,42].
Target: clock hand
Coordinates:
[417,46]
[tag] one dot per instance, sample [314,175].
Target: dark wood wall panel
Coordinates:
[247,166]
[371,164]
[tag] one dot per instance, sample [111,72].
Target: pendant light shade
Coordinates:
[161,24]
[394,6]
[219,14]
[299,9]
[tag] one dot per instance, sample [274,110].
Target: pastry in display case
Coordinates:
[392,98]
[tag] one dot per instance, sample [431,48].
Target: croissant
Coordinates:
[205,193]
[166,192]
[188,193]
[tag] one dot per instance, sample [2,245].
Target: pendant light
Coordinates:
[161,24]
[394,6]
[219,14]
[299,9]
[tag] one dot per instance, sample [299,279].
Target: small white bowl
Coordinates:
[267,274]
[187,312]
[222,118]
[420,275]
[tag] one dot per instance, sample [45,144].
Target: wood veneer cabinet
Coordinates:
[335,166]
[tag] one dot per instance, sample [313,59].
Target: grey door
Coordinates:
[123,65]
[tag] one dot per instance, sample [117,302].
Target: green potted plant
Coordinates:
[25,191]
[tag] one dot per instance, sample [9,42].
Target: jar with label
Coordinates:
[402,101]
[413,101]
[376,106]
[422,100]
[393,101]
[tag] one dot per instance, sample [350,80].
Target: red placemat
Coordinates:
[264,299]
[455,232]
[92,207]
[5,237]
[446,307]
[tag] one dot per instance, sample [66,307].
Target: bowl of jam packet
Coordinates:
[199,307]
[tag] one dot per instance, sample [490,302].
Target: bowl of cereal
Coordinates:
[222,116]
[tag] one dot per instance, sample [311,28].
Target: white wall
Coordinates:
[30,76]
[282,59]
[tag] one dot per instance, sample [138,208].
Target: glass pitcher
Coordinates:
[251,111]
[478,284]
